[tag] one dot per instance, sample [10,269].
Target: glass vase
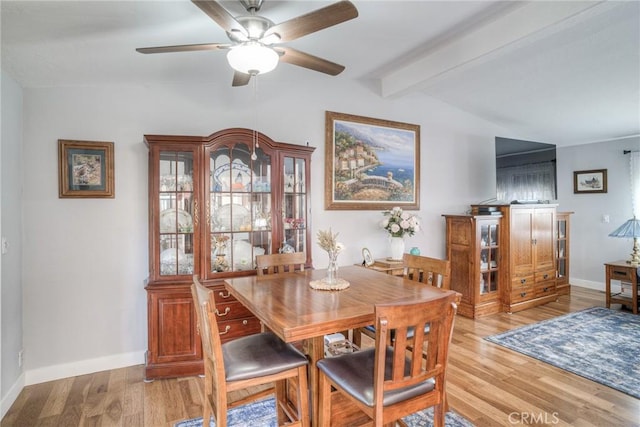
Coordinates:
[332,268]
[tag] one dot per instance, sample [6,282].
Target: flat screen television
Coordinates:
[525,171]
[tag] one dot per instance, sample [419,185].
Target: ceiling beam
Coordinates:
[498,36]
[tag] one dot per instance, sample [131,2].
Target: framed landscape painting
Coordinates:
[591,181]
[371,164]
[85,169]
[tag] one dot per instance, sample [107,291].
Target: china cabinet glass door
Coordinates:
[239,208]
[294,205]
[178,213]
[489,260]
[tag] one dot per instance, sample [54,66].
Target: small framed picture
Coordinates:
[591,181]
[85,169]
[368,259]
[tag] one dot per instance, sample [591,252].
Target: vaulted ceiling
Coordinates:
[564,72]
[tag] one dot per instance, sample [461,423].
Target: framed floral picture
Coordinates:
[371,164]
[591,181]
[85,169]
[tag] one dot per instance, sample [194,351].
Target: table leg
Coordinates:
[607,284]
[315,350]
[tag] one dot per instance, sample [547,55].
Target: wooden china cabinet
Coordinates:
[473,248]
[216,202]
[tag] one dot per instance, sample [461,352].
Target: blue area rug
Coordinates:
[263,414]
[600,344]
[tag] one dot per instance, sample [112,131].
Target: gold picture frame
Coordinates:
[85,169]
[371,164]
[590,181]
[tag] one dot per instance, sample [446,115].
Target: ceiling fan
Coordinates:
[255,40]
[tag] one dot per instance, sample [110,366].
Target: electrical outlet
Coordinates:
[20,358]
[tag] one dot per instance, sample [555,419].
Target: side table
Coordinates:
[620,270]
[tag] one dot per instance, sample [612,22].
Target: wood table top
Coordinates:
[294,311]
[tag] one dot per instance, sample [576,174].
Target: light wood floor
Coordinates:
[489,385]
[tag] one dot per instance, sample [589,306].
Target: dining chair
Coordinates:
[245,364]
[430,271]
[280,263]
[387,382]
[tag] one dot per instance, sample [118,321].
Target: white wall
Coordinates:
[11,310]
[591,246]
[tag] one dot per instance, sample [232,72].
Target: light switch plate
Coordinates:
[5,245]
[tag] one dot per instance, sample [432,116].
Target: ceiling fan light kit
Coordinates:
[252,58]
[255,40]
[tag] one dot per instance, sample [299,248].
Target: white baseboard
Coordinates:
[598,286]
[11,395]
[82,367]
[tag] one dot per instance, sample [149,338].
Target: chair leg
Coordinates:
[281,401]
[324,404]
[438,415]
[304,415]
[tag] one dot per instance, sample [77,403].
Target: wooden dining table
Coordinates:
[294,311]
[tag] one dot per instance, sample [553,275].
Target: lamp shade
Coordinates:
[629,229]
[252,58]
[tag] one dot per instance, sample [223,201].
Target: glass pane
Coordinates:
[494,235]
[300,184]
[262,172]
[562,229]
[493,261]
[240,169]
[484,259]
[185,254]
[289,175]
[561,248]
[219,252]
[493,281]
[562,267]
[484,283]
[484,235]
[262,211]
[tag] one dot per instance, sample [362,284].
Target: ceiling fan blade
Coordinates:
[301,59]
[240,79]
[313,21]
[183,48]
[220,15]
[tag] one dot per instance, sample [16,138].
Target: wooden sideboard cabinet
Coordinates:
[473,248]
[562,252]
[529,263]
[216,202]
[508,260]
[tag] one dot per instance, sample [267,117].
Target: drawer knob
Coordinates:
[523,294]
[523,281]
[245,322]
[546,289]
[546,276]
[226,311]
[226,330]
[222,294]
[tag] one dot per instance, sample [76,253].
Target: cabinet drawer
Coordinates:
[231,310]
[541,276]
[524,293]
[230,329]
[522,281]
[222,295]
[545,288]
[621,273]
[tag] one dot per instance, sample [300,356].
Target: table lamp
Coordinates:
[630,229]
